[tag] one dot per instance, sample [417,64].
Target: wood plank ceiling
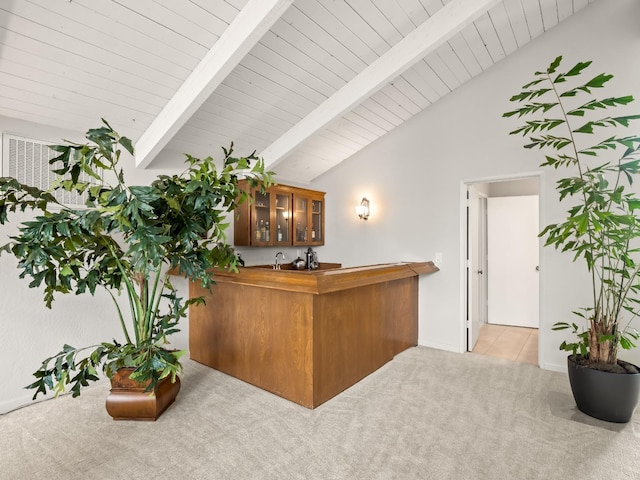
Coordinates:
[67,63]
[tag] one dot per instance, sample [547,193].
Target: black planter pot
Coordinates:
[608,396]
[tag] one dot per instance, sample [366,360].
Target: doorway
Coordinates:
[497,290]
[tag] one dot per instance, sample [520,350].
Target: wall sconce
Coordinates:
[363,209]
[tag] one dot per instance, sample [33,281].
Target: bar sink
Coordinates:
[289,267]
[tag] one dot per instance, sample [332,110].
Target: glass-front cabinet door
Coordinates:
[282,234]
[308,215]
[300,216]
[317,225]
[262,218]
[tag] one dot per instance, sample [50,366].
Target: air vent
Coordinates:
[27,160]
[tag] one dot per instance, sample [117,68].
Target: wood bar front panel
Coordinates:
[357,331]
[261,336]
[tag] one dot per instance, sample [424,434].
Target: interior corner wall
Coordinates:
[415,174]
[29,332]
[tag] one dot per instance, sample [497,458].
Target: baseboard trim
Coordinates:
[18,402]
[440,346]
[554,367]
[25,400]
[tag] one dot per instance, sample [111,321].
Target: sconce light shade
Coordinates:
[363,209]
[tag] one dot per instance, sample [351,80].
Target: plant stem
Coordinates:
[152,305]
[134,301]
[120,317]
[584,196]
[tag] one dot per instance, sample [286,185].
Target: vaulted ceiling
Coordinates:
[305,83]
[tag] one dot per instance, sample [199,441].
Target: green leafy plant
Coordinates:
[602,227]
[126,239]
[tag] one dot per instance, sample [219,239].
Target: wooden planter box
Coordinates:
[129,401]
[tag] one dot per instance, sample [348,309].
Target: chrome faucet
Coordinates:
[277,265]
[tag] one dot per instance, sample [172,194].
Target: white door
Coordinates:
[513,288]
[476,258]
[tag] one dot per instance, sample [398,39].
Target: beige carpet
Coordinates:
[427,414]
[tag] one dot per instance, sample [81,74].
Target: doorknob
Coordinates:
[480,272]
[537,268]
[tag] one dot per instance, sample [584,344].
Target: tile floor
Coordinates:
[519,344]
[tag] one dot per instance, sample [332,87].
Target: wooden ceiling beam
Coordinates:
[251,23]
[439,28]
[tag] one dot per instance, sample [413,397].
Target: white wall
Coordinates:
[29,332]
[413,177]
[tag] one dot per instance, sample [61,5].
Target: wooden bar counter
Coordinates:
[306,335]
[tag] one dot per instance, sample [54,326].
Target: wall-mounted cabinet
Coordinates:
[280,216]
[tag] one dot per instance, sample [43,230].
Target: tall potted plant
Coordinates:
[602,228]
[126,239]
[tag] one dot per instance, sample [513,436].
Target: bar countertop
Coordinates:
[330,277]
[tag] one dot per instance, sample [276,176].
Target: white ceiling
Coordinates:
[306,83]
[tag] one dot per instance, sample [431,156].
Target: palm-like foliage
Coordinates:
[602,227]
[125,240]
